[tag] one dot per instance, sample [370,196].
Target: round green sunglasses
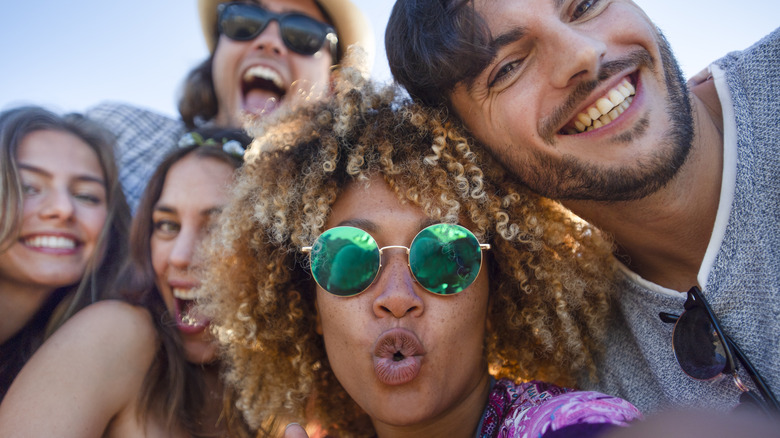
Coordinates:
[443,258]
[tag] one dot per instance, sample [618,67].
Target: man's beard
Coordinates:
[569,178]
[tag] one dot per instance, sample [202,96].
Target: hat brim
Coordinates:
[352,26]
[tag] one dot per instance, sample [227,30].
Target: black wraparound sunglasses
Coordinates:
[300,33]
[705,352]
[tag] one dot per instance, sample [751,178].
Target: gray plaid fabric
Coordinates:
[144,138]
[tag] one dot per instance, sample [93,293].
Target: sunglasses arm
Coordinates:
[762,387]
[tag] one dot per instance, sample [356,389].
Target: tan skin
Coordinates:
[443,400]
[112,344]
[663,237]
[299,74]
[64,199]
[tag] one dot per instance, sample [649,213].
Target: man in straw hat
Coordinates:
[263,54]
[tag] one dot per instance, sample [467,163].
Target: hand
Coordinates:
[295,430]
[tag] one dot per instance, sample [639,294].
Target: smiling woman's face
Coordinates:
[65,208]
[405,355]
[194,191]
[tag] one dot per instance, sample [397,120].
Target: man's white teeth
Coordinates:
[55,242]
[184,294]
[261,72]
[606,109]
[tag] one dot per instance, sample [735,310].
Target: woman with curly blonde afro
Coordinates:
[372,275]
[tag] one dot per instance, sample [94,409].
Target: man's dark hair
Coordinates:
[432,45]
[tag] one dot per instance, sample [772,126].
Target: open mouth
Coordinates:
[187,320]
[262,89]
[604,110]
[50,242]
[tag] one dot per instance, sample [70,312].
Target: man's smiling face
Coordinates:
[582,100]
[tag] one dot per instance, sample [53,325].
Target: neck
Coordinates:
[459,421]
[663,237]
[18,304]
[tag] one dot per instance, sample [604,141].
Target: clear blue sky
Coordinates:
[70,55]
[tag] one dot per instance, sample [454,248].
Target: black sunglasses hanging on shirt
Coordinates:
[705,352]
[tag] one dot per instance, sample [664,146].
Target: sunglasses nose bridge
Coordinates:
[396,291]
[382,256]
[270,37]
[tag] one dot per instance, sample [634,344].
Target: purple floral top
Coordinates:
[536,409]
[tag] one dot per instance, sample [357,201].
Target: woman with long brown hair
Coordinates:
[144,364]
[63,229]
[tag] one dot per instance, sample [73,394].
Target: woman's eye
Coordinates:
[166,227]
[28,190]
[582,8]
[89,198]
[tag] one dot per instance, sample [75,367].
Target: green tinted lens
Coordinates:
[445,258]
[345,261]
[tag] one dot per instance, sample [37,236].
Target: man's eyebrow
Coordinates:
[506,38]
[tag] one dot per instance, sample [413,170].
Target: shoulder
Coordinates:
[539,407]
[108,332]
[89,371]
[115,319]
[766,48]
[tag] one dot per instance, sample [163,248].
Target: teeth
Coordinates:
[593,113]
[263,73]
[51,242]
[603,105]
[606,109]
[184,294]
[616,97]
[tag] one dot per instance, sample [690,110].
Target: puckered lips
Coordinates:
[262,89]
[52,243]
[188,321]
[397,356]
[605,109]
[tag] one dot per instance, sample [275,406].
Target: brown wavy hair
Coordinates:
[173,389]
[551,274]
[112,246]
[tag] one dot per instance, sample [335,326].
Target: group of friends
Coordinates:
[541,229]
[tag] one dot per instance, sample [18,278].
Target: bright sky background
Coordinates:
[69,55]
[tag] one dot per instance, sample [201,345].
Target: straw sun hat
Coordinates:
[351,24]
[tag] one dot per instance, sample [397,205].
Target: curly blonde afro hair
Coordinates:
[551,274]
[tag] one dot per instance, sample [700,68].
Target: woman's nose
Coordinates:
[397,291]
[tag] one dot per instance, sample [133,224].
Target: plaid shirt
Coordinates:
[144,138]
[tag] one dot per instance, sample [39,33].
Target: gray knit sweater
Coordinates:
[741,280]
